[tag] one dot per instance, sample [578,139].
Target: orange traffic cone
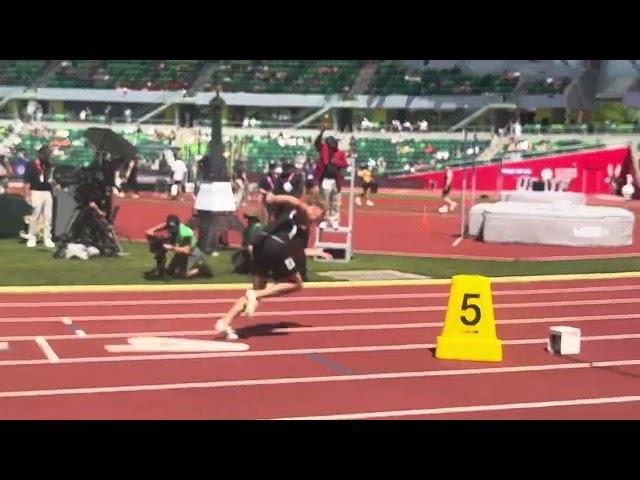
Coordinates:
[424,226]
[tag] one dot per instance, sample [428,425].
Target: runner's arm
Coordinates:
[318,141]
[284,200]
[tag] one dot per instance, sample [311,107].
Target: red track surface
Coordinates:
[321,353]
[401,219]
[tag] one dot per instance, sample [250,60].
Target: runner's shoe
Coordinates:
[226,329]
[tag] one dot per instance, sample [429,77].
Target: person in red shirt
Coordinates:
[328,174]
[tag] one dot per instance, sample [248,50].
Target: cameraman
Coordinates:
[188,261]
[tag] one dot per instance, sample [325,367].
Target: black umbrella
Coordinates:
[106,140]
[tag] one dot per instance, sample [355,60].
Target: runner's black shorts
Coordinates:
[366,187]
[446,191]
[272,258]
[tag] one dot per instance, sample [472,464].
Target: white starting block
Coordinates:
[341,251]
[564,341]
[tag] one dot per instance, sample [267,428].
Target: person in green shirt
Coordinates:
[241,259]
[188,260]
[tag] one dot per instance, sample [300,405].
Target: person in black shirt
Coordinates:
[290,181]
[131,177]
[274,251]
[267,185]
[38,193]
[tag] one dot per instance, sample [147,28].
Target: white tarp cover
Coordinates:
[547,224]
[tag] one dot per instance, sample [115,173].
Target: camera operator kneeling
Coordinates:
[188,260]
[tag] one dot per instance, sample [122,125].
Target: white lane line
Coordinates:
[320,298]
[342,311]
[304,380]
[67,321]
[471,409]
[48,351]
[329,328]
[281,352]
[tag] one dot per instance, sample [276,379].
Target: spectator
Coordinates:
[6,171]
[82,116]
[328,174]
[39,113]
[517,129]
[127,115]
[241,182]
[131,177]
[179,169]
[407,126]
[423,126]
[308,171]
[30,111]
[38,193]
[107,114]
[290,182]
[366,124]
[267,185]
[19,165]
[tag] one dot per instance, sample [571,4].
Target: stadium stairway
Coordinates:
[361,85]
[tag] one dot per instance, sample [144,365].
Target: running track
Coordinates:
[343,353]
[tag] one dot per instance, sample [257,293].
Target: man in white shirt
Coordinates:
[424,126]
[179,169]
[517,129]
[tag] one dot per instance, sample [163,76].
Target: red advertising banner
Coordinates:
[588,172]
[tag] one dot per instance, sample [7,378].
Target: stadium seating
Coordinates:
[286,76]
[548,87]
[393,77]
[20,72]
[268,76]
[132,74]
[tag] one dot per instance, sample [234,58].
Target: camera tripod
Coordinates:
[86,227]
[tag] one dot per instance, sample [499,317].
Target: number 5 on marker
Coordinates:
[469,331]
[477,313]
